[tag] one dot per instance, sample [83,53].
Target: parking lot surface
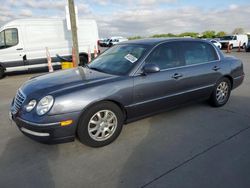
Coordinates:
[192,146]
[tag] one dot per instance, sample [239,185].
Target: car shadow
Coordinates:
[178,135]
[24,163]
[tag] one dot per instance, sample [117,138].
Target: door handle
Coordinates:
[19,49]
[177,76]
[215,68]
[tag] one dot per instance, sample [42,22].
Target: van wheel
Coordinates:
[100,125]
[221,92]
[244,46]
[1,72]
[83,60]
[231,46]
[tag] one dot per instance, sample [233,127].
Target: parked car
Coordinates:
[234,41]
[129,81]
[23,42]
[216,43]
[116,41]
[248,46]
[104,42]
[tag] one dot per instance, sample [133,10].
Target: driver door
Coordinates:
[12,53]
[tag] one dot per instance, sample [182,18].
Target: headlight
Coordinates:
[30,106]
[44,105]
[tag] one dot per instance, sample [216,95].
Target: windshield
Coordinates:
[227,38]
[118,60]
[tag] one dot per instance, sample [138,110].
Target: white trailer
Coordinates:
[23,42]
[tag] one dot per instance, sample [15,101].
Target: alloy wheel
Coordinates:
[222,92]
[102,125]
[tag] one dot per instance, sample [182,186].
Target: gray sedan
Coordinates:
[129,81]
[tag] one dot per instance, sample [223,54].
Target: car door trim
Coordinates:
[172,95]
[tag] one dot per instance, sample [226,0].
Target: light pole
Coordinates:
[72,14]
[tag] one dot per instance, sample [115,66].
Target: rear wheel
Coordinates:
[221,93]
[100,125]
[244,46]
[1,72]
[83,60]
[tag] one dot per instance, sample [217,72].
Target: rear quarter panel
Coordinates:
[237,70]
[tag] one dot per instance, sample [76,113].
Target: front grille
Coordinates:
[18,101]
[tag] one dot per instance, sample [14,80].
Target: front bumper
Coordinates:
[49,133]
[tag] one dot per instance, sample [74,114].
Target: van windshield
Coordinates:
[118,60]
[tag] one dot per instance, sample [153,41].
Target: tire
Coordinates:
[244,46]
[83,60]
[231,46]
[221,92]
[95,130]
[1,72]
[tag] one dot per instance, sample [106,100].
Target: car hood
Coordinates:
[60,81]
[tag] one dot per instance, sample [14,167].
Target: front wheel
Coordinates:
[231,47]
[221,93]
[1,72]
[100,125]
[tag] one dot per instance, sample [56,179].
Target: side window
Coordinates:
[8,38]
[198,52]
[2,42]
[11,37]
[165,56]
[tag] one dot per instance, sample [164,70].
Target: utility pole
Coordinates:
[72,14]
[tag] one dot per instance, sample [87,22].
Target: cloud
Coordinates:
[233,7]
[133,2]
[137,17]
[155,21]
[25,13]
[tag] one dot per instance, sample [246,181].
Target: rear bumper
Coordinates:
[49,133]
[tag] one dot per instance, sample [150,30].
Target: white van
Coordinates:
[234,41]
[23,43]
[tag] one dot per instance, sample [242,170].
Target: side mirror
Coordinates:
[150,68]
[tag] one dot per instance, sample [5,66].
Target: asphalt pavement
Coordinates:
[192,146]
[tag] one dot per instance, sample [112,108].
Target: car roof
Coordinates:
[156,41]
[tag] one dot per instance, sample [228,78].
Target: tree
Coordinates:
[208,34]
[221,34]
[189,34]
[238,30]
[135,37]
[163,35]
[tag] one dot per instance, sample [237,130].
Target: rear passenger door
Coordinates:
[201,69]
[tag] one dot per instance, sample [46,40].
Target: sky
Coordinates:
[140,17]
